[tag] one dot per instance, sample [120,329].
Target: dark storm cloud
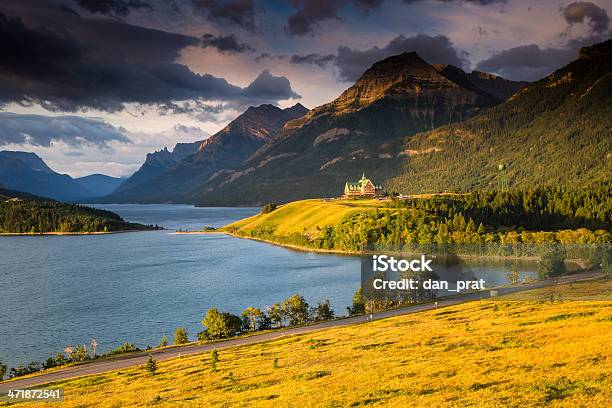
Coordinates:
[65,74]
[228,44]
[268,86]
[236,12]
[312,59]
[267,55]
[40,130]
[438,49]
[530,62]
[579,11]
[112,7]
[310,13]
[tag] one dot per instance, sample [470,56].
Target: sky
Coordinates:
[92,86]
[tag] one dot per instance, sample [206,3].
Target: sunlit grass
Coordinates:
[485,353]
[304,216]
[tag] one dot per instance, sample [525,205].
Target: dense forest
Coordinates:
[555,132]
[21,213]
[535,216]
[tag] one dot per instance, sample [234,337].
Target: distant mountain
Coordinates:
[99,184]
[157,163]
[26,172]
[171,177]
[314,156]
[494,85]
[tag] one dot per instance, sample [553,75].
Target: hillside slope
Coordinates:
[100,184]
[555,132]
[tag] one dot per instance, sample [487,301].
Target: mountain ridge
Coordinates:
[568,109]
[28,173]
[226,149]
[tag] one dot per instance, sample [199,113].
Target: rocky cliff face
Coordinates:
[157,163]
[405,92]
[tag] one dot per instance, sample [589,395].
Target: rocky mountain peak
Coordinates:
[407,69]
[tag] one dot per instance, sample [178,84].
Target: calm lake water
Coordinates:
[139,286]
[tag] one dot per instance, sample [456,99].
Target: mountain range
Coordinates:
[409,125]
[401,95]
[419,128]
[26,172]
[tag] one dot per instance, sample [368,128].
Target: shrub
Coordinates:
[323,311]
[180,336]
[552,263]
[358,303]
[164,341]
[214,358]
[296,309]
[268,208]
[124,348]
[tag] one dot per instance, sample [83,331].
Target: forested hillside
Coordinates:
[24,213]
[555,132]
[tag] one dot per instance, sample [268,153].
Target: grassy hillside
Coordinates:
[303,217]
[510,351]
[537,216]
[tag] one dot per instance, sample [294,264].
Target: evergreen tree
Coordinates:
[151,365]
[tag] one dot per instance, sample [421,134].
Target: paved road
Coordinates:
[100,366]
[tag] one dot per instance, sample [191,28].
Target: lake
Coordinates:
[139,286]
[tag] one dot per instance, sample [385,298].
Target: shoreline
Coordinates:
[355,253]
[57,233]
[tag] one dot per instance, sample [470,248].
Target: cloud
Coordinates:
[267,55]
[312,59]
[270,86]
[236,12]
[112,7]
[62,73]
[74,131]
[579,11]
[226,44]
[438,49]
[310,13]
[530,62]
